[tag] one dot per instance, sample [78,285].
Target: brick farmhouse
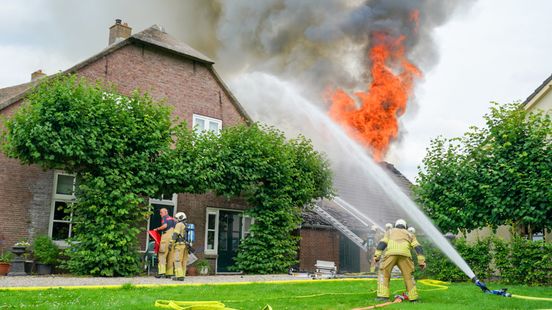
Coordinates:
[32,200]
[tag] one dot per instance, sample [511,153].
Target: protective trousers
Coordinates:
[165,256]
[180,260]
[406,265]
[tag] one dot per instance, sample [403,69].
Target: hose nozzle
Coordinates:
[480,284]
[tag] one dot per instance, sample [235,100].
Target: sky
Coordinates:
[494,50]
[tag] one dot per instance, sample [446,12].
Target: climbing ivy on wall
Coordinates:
[125,149]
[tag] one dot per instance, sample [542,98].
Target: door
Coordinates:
[229,236]
[349,255]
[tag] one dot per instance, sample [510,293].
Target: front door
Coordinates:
[229,235]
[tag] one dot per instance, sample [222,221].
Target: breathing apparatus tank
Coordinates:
[190,233]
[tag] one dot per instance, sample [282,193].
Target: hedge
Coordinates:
[519,261]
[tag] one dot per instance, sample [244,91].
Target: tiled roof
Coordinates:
[154,35]
[11,94]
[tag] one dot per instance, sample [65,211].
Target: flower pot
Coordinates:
[191,271]
[18,250]
[43,269]
[29,267]
[4,268]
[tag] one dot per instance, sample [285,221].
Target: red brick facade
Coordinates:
[318,244]
[189,86]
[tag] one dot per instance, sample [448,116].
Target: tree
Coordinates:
[278,178]
[121,149]
[499,174]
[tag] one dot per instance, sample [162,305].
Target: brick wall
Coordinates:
[187,85]
[318,244]
[25,201]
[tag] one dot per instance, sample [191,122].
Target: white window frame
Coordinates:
[207,120]
[214,250]
[69,199]
[216,211]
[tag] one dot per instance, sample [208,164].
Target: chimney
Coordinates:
[38,74]
[119,32]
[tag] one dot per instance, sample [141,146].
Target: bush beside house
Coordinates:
[519,261]
[46,254]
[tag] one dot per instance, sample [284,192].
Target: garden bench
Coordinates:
[326,269]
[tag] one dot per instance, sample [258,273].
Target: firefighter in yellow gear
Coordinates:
[180,251]
[164,256]
[398,243]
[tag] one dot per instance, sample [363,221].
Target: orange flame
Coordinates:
[373,121]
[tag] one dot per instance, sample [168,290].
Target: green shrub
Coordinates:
[439,267]
[45,251]
[477,255]
[519,261]
[6,257]
[524,261]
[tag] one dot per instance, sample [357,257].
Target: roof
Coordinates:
[312,219]
[363,192]
[12,94]
[541,90]
[153,36]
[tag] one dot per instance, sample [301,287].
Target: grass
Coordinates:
[321,294]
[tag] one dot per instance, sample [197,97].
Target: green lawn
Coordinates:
[305,295]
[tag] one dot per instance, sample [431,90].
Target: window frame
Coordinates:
[207,119]
[68,199]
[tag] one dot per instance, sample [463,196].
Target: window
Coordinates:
[247,222]
[61,216]
[211,236]
[204,123]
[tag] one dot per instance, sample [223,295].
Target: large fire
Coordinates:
[372,118]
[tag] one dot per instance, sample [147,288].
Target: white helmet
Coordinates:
[388,226]
[411,230]
[400,222]
[180,216]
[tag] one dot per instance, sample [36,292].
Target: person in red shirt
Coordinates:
[165,257]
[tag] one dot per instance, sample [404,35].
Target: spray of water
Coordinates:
[363,186]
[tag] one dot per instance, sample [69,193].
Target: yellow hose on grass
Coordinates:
[531,297]
[191,305]
[439,285]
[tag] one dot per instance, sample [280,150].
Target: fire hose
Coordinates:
[503,292]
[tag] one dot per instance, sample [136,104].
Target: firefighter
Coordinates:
[398,243]
[180,251]
[165,257]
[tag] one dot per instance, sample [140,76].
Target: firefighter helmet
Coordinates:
[400,222]
[180,216]
[411,230]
